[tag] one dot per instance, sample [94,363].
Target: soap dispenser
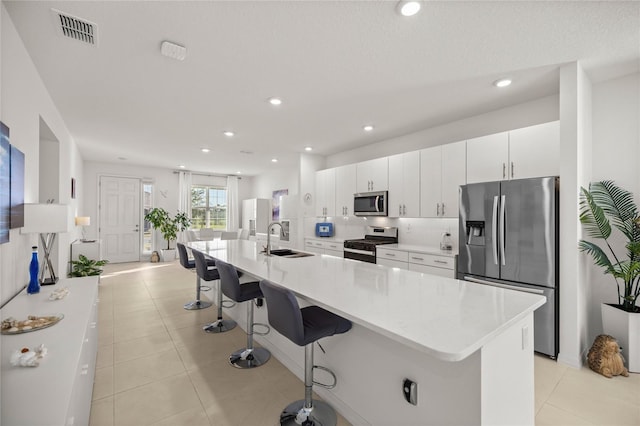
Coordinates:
[445,242]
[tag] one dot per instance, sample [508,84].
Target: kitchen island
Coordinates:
[469,347]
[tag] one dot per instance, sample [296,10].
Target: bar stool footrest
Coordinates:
[324,385]
[261,333]
[228,303]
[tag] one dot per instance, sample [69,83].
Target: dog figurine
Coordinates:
[605,358]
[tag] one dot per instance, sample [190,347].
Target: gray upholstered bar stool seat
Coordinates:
[248,357]
[303,327]
[220,325]
[191,264]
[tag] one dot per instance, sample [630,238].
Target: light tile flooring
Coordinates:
[157,367]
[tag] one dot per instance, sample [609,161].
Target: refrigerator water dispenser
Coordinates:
[475,232]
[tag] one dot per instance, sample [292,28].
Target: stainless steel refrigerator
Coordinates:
[509,238]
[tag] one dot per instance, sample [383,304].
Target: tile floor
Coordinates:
[157,367]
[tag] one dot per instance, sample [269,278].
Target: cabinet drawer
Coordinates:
[392,263]
[333,246]
[432,260]
[441,272]
[400,256]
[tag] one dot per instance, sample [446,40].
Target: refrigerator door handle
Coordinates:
[503,227]
[508,287]
[494,221]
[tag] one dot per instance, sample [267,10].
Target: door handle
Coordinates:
[377,203]
[494,222]
[503,225]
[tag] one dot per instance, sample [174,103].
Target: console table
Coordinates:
[58,392]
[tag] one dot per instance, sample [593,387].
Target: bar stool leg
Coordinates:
[249,357]
[220,325]
[307,410]
[197,304]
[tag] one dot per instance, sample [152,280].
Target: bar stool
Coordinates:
[303,327]
[248,357]
[219,325]
[191,265]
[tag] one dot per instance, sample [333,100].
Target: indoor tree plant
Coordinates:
[168,226]
[606,207]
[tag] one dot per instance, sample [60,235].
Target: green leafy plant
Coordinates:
[168,226]
[84,267]
[603,208]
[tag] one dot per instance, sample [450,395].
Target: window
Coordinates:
[147,205]
[208,207]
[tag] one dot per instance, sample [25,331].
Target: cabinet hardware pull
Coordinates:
[391,255]
[438,209]
[399,209]
[440,261]
[417,258]
[442,209]
[404,209]
[512,169]
[504,170]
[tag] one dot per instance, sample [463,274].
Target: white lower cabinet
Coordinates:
[434,264]
[332,247]
[59,390]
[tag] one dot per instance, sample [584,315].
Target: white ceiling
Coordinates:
[337,65]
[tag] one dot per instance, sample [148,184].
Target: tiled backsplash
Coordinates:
[416,231]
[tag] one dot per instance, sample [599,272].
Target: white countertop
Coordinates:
[446,318]
[420,249]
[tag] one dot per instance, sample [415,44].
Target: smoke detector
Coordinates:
[173,50]
[76,28]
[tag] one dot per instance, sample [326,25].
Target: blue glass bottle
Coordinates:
[34,284]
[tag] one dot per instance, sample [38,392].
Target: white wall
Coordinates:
[616,150]
[521,115]
[266,183]
[25,100]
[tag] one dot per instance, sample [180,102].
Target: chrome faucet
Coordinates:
[269,229]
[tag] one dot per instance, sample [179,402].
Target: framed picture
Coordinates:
[17,188]
[73,187]
[275,210]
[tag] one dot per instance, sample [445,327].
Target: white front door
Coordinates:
[119,212]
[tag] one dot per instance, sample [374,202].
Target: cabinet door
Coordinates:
[345,188]
[372,175]
[411,184]
[535,151]
[396,185]
[430,181]
[326,192]
[454,162]
[487,158]
[392,263]
[441,272]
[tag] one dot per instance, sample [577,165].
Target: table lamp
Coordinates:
[83,221]
[47,220]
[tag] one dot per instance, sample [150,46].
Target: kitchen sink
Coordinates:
[289,253]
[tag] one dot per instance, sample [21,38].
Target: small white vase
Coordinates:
[168,255]
[625,327]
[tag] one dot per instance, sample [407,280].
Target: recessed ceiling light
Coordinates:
[408,8]
[238,172]
[275,101]
[308,148]
[274,160]
[205,150]
[173,50]
[228,133]
[368,128]
[503,82]
[181,166]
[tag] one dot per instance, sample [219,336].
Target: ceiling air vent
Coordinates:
[75,28]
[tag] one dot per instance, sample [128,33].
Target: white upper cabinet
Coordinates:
[345,188]
[535,151]
[372,175]
[442,171]
[518,154]
[487,158]
[404,185]
[326,192]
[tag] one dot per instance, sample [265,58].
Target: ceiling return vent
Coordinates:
[75,28]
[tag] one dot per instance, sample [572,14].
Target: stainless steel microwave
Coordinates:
[370,203]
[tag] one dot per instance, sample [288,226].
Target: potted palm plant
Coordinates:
[169,227]
[605,208]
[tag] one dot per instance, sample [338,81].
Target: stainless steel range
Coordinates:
[365,249]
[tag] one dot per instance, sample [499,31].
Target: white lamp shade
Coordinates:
[83,221]
[45,218]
